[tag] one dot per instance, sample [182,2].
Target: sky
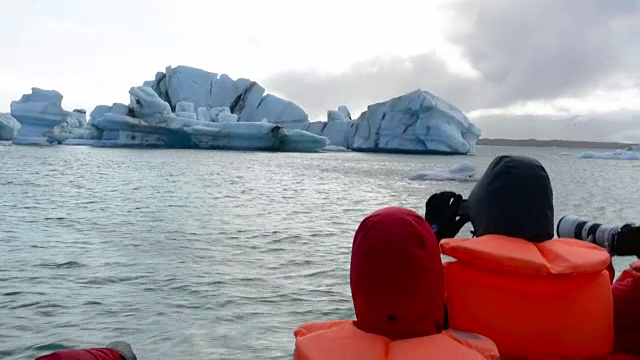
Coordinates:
[567,69]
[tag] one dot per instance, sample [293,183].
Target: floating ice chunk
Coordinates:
[463,171]
[611,155]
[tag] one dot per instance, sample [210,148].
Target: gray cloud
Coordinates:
[523,50]
[369,81]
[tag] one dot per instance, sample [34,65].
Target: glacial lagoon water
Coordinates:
[213,254]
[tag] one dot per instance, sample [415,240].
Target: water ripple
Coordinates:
[203,255]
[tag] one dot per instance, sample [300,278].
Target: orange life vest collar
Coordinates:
[514,255]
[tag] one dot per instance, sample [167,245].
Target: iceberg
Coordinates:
[417,122]
[185,107]
[611,155]
[41,115]
[148,121]
[8,127]
[463,171]
[243,97]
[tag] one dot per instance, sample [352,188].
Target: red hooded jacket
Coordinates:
[626,310]
[83,354]
[395,261]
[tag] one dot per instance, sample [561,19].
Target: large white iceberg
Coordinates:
[610,155]
[417,122]
[8,127]
[40,115]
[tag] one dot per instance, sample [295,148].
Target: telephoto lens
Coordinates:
[574,227]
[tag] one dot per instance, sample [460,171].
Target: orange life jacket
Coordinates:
[341,340]
[534,300]
[626,314]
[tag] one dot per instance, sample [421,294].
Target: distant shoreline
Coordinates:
[554,143]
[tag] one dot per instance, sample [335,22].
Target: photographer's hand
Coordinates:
[441,211]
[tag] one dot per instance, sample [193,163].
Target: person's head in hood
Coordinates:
[397,277]
[513,198]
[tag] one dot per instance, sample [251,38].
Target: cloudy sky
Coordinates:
[520,68]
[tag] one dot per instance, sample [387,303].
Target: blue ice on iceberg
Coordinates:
[149,122]
[8,127]
[185,107]
[243,97]
[39,113]
[417,122]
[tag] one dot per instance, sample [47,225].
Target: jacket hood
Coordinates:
[513,198]
[397,277]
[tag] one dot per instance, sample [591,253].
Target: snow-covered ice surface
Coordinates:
[462,171]
[417,122]
[611,155]
[8,127]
